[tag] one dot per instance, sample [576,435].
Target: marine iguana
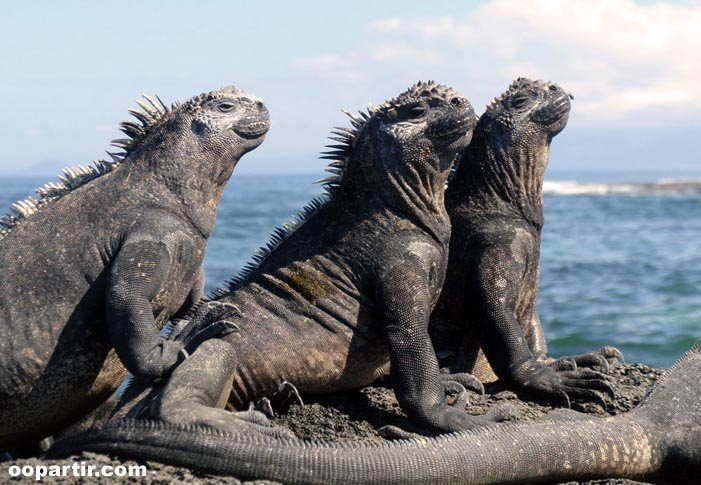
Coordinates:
[660,440]
[100,261]
[495,202]
[349,289]
[331,303]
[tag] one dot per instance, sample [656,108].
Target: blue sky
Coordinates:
[71,69]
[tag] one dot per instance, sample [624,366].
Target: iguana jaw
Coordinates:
[255,123]
[255,129]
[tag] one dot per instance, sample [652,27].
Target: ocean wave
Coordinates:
[659,187]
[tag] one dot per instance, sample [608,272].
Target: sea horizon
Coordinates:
[620,255]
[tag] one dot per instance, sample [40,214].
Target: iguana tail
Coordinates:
[661,438]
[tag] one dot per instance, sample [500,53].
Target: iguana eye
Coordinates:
[519,102]
[417,112]
[225,107]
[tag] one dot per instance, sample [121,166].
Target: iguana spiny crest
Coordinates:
[208,115]
[396,122]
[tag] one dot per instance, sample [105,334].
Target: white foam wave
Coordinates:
[659,187]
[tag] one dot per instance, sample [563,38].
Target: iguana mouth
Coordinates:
[555,110]
[457,129]
[254,129]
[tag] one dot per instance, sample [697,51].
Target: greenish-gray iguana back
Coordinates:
[102,259]
[495,202]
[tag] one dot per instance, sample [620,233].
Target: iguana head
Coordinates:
[192,147]
[424,126]
[506,161]
[215,129]
[529,108]
[402,150]
[428,123]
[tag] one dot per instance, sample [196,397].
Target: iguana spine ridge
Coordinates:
[79,175]
[277,237]
[339,154]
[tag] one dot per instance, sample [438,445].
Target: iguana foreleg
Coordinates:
[404,298]
[506,347]
[136,277]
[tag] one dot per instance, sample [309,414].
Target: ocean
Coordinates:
[620,255]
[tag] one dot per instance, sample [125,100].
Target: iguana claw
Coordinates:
[457,384]
[262,406]
[209,321]
[467,380]
[560,387]
[285,395]
[459,397]
[601,357]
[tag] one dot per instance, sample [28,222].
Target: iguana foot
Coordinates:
[253,422]
[456,386]
[285,395]
[209,321]
[561,364]
[601,357]
[559,387]
[197,390]
[407,430]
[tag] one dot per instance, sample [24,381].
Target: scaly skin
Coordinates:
[660,440]
[350,290]
[495,203]
[100,263]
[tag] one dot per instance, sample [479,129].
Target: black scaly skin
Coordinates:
[102,260]
[659,441]
[495,202]
[351,288]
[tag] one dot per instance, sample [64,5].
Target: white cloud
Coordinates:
[621,59]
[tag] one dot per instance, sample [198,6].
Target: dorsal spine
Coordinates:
[73,177]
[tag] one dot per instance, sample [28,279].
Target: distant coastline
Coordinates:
[660,187]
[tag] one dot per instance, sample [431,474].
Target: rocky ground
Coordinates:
[357,415]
